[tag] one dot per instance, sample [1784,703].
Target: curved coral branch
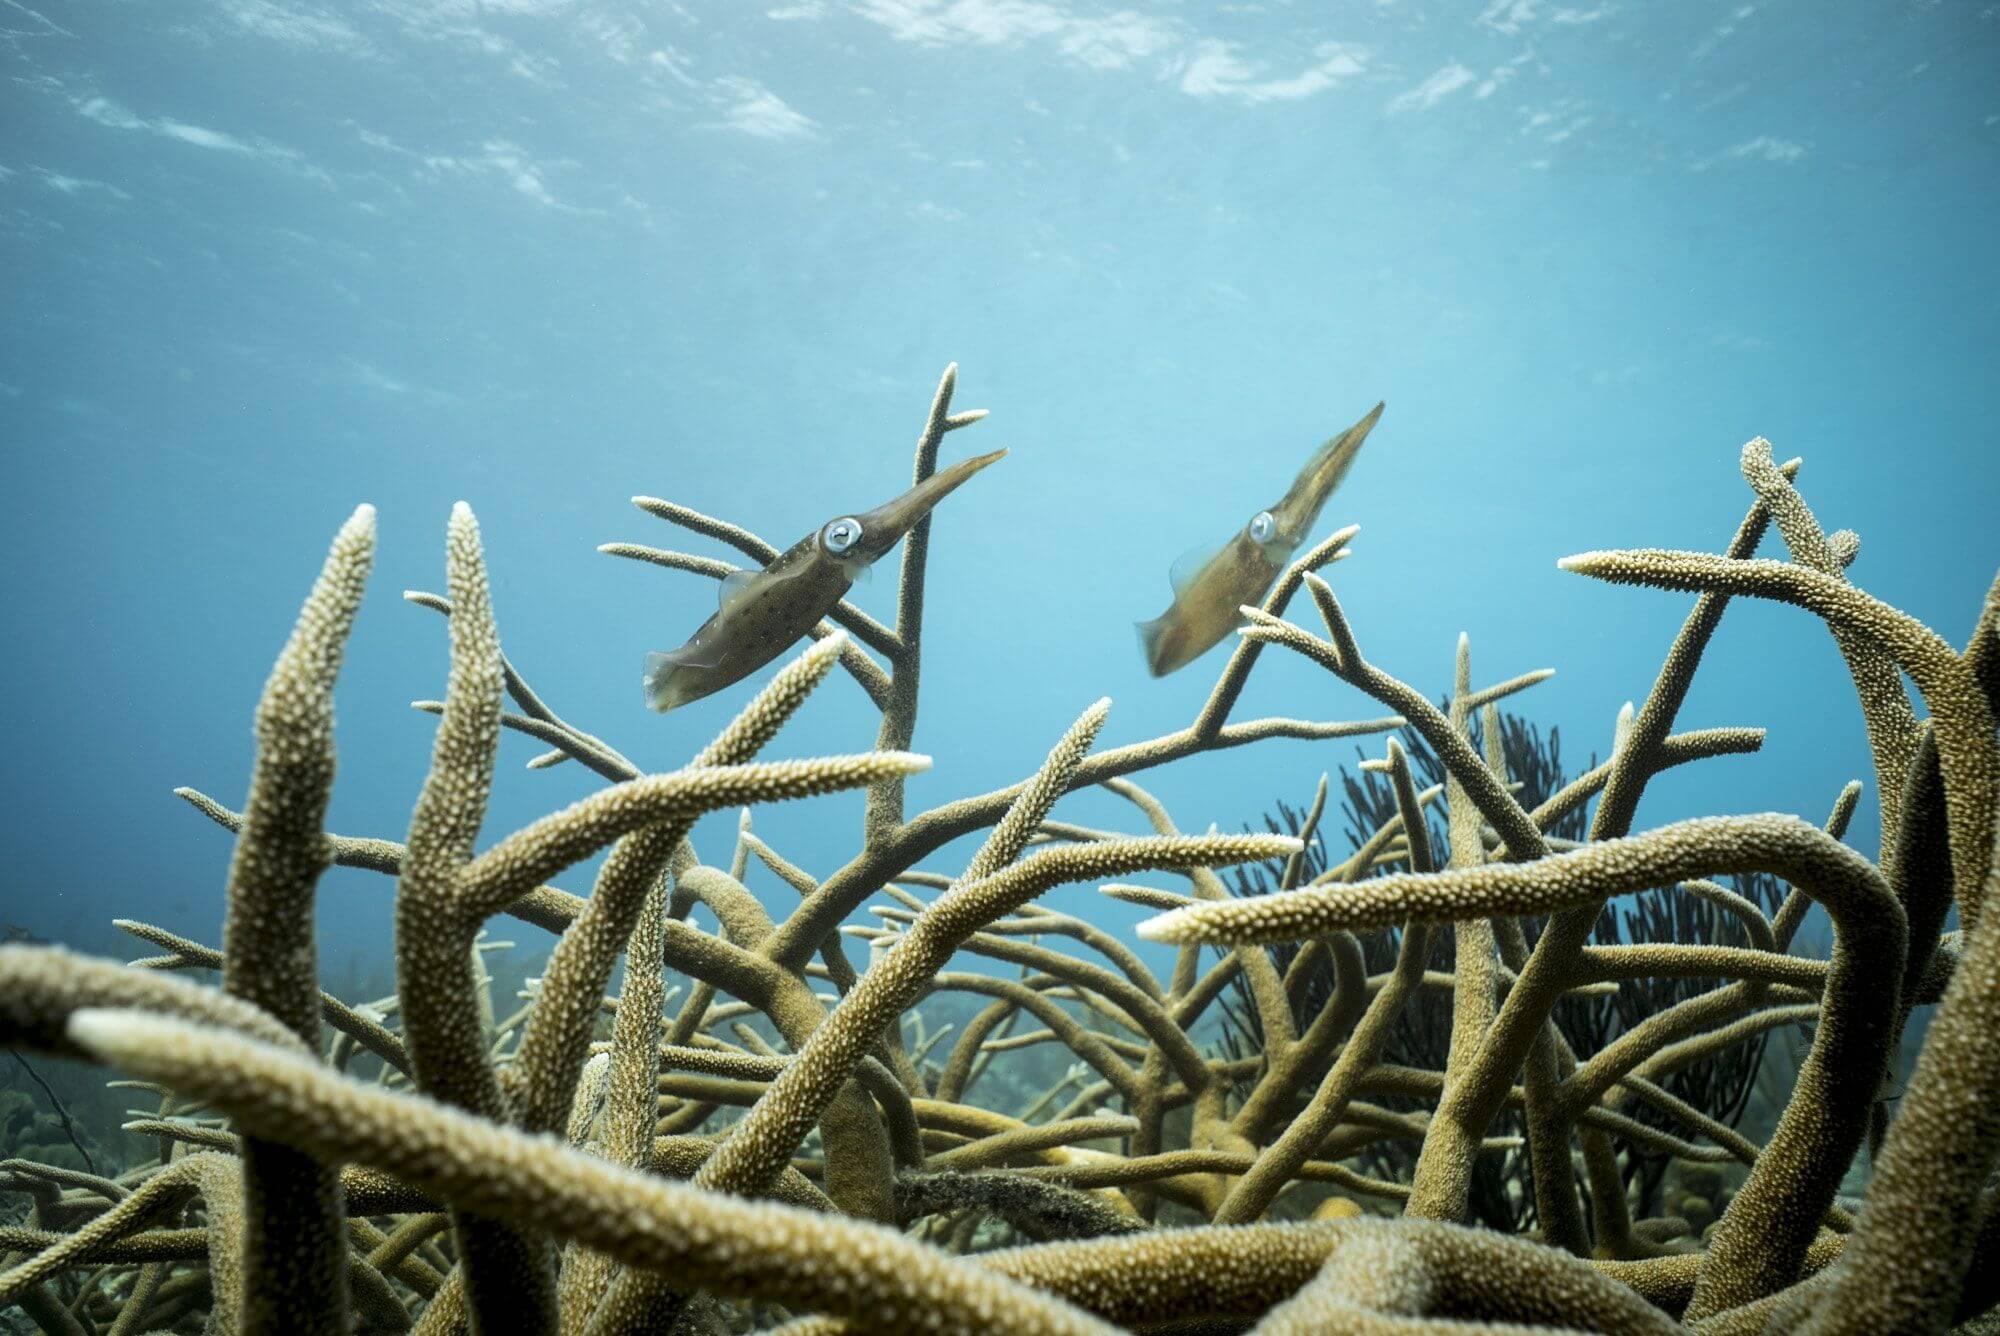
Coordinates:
[772,1129]
[509,1276]
[899,717]
[1885,705]
[1960,709]
[1643,748]
[1782,845]
[1323,1112]
[1912,1244]
[215,1177]
[537,719]
[1386,1280]
[1045,1210]
[363,1028]
[1242,1272]
[41,986]
[558,1033]
[759,1250]
[294,1256]
[1764,1234]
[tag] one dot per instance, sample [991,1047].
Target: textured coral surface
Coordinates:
[1424,1108]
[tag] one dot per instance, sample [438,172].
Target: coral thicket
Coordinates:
[767,1130]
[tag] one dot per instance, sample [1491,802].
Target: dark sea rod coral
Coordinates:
[762,1130]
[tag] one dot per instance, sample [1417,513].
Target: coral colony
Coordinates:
[427,1164]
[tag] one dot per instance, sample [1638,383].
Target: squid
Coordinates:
[763,613]
[1211,585]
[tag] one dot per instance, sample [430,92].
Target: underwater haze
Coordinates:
[1241,860]
[267,260]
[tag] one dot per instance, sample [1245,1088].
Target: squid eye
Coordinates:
[840,536]
[1264,526]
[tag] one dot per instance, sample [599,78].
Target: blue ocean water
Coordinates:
[266,260]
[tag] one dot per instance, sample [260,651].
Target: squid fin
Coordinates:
[734,585]
[659,681]
[1190,564]
[1149,640]
[664,676]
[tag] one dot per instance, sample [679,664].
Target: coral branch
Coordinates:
[758,1250]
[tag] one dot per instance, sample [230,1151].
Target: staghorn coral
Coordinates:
[1386,1279]
[739,1247]
[433,1168]
[293,1249]
[1643,982]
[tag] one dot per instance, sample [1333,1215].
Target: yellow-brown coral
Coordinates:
[525,1184]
